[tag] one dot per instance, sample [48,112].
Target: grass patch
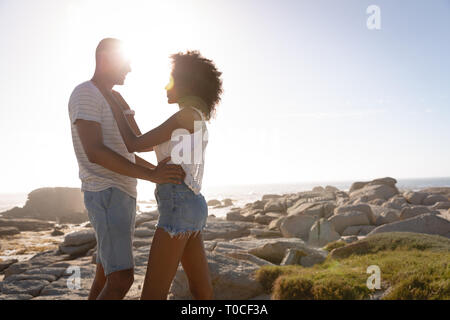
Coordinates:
[334,245]
[413,266]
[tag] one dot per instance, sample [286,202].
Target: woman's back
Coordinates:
[187,150]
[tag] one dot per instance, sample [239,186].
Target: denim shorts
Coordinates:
[112,214]
[181,211]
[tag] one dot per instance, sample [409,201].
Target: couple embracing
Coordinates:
[105,138]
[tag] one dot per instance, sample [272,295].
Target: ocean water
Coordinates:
[241,194]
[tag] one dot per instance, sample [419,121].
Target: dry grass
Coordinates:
[414,266]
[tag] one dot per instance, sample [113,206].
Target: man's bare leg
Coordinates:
[98,284]
[117,285]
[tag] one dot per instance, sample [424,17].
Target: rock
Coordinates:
[64,205]
[263,233]
[271,196]
[410,212]
[321,233]
[226,230]
[79,238]
[227,202]
[26,224]
[390,182]
[265,218]
[141,243]
[385,215]
[232,279]
[144,233]
[365,208]
[353,218]
[6,263]
[433,199]
[148,225]
[292,257]
[371,192]
[8,231]
[274,225]
[442,205]
[56,233]
[415,198]
[318,189]
[274,250]
[365,230]
[15,296]
[351,231]
[214,202]
[236,216]
[56,272]
[297,225]
[427,223]
[29,287]
[40,260]
[331,189]
[275,205]
[349,239]
[258,204]
[76,251]
[445,191]
[396,202]
[377,202]
[318,210]
[146,217]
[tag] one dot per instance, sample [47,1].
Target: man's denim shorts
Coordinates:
[112,213]
[181,211]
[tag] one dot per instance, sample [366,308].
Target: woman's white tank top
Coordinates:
[187,150]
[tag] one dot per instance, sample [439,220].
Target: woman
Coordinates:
[195,85]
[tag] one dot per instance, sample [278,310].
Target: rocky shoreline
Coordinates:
[275,230]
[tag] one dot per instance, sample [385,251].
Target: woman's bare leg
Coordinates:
[165,255]
[195,265]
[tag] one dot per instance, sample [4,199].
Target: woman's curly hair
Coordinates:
[201,75]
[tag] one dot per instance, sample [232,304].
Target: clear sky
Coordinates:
[311,94]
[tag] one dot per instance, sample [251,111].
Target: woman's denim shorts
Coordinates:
[181,211]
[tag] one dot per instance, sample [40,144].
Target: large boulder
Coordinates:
[365,208]
[63,205]
[273,250]
[352,218]
[297,225]
[232,279]
[321,233]
[415,198]
[445,191]
[275,205]
[390,182]
[216,229]
[411,212]
[425,223]
[432,199]
[372,192]
[79,237]
[237,216]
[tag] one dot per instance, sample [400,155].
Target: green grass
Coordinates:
[413,266]
[334,245]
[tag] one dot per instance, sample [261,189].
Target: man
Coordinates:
[109,172]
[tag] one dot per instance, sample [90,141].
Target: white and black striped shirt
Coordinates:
[87,103]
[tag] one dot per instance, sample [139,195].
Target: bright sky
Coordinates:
[311,94]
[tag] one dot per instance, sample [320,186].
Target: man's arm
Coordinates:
[90,134]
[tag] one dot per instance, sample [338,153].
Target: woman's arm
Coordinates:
[130,118]
[183,119]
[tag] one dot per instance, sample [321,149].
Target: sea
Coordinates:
[241,194]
